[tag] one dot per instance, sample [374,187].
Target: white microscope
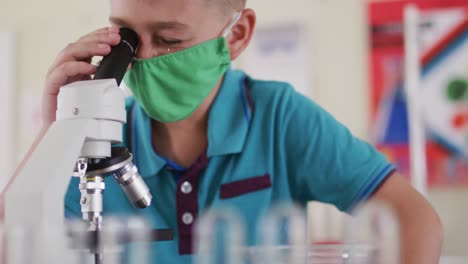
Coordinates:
[90,118]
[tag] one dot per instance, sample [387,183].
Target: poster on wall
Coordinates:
[444,87]
[280,53]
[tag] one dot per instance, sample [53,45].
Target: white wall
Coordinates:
[7,135]
[42,29]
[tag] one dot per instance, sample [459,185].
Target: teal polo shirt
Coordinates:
[267,143]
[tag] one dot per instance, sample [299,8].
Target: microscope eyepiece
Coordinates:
[114,65]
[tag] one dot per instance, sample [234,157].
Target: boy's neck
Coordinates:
[183,141]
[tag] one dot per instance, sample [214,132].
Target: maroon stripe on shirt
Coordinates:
[249,96]
[233,189]
[187,203]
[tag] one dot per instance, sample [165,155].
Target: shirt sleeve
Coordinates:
[327,163]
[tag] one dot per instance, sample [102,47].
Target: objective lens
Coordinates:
[133,185]
[120,166]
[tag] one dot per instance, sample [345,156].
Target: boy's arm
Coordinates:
[420,227]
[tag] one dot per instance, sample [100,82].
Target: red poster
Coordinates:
[444,82]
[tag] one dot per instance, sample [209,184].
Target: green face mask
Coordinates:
[171,87]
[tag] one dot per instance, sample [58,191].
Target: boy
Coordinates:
[205,136]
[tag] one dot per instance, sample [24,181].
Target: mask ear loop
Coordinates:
[234,20]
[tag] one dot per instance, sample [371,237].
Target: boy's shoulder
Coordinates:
[268,87]
[277,95]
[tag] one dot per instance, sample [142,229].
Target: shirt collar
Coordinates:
[228,123]
[230,116]
[148,162]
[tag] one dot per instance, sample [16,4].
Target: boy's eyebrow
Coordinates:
[118,21]
[155,26]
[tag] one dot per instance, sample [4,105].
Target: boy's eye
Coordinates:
[170,42]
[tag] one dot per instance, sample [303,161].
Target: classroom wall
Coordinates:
[337,54]
[42,29]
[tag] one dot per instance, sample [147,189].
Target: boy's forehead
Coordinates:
[144,11]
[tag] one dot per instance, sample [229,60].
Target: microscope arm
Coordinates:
[39,188]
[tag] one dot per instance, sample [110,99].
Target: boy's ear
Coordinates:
[241,33]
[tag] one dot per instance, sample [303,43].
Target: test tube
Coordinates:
[15,245]
[372,235]
[3,249]
[111,246]
[220,237]
[139,236]
[283,236]
[52,244]
[79,242]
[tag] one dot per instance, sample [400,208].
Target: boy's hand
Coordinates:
[74,64]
